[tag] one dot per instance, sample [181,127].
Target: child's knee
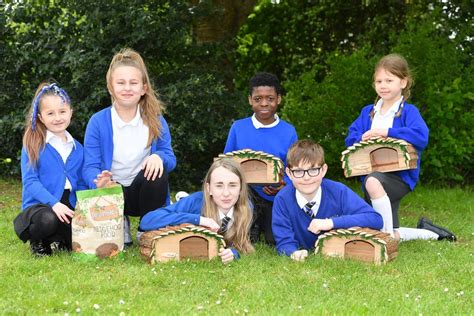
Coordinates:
[374,187]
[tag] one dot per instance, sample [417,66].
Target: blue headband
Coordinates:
[49,88]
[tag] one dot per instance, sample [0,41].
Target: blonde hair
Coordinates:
[398,66]
[150,106]
[305,151]
[238,234]
[34,137]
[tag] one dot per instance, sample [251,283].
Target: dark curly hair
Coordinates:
[265,79]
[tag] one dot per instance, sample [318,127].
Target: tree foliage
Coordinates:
[74,41]
[325,53]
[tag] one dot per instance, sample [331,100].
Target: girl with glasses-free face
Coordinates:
[307,178]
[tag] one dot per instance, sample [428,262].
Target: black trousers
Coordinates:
[143,195]
[39,223]
[395,188]
[262,219]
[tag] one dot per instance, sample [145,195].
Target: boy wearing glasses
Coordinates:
[312,204]
[263,131]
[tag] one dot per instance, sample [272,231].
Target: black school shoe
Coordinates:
[442,232]
[40,248]
[57,246]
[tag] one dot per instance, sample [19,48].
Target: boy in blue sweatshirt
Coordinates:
[263,131]
[312,204]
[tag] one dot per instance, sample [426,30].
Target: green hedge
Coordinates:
[443,92]
[73,43]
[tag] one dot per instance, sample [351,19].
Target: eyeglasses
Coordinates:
[299,173]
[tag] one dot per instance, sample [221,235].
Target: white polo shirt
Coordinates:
[130,147]
[63,148]
[385,120]
[256,123]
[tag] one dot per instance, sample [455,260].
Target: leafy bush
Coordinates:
[74,41]
[444,93]
[323,109]
[200,113]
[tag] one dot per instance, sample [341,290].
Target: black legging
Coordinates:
[46,226]
[143,195]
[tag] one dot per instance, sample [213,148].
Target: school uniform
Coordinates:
[409,126]
[274,139]
[337,202]
[55,178]
[101,154]
[186,210]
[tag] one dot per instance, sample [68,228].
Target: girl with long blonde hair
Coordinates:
[129,142]
[222,206]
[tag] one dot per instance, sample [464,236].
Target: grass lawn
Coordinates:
[427,277]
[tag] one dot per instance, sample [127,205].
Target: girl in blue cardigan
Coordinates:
[222,206]
[129,142]
[392,116]
[51,166]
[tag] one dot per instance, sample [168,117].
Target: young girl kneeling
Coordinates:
[51,167]
[222,206]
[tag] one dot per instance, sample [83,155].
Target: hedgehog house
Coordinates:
[185,241]
[378,154]
[362,244]
[259,167]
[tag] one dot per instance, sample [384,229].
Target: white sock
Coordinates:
[407,233]
[383,207]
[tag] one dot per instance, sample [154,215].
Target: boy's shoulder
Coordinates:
[243,121]
[286,192]
[335,188]
[286,124]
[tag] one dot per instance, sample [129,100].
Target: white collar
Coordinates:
[257,124]
[393,109]
[301,200]
[120,123]
[50,137]
[229,214]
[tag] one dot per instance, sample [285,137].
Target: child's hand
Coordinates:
[63,212]
[376,132]
[104,179]
[153,166]
[299,255]
[226,255]
[317,225]
[209,223]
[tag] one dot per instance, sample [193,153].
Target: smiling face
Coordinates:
[388,86]
[127,86]
[264,101]
[55,114]
[307,185]
[224,188]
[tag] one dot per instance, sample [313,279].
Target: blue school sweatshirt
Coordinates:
[274,140]
[44,183]
[186,210]
[338,202]
[409,126]
[99,146]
